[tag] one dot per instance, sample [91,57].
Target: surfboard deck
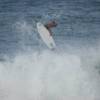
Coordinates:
[45,36]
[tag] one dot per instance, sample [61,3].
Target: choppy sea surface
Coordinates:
[29,70]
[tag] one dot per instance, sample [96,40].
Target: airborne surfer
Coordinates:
[46,33]
[50,25]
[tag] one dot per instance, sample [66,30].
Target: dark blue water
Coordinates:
[77,20]
[37,72]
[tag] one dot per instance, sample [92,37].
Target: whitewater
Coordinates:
[29,70]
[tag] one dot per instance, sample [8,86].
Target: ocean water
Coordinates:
[29,70]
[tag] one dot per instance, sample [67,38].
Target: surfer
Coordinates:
[50,25]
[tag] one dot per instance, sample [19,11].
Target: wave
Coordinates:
[49,75]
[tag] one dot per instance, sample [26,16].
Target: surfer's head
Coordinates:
[52,23]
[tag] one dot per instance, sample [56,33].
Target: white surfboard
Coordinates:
[45,35]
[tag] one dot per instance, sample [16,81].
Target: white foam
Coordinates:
[46,76]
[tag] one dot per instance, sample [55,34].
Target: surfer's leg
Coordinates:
[50,32]
[48,28]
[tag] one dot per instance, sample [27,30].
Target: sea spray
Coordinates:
[45,75]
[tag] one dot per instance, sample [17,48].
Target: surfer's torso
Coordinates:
[50,25]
